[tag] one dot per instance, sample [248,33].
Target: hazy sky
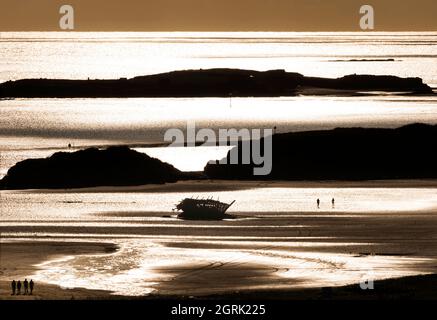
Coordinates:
[218,15]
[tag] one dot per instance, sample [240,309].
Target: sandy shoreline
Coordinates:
[18,261]
[278,251]
[208,185]
[420,287]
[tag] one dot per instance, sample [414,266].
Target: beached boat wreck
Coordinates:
[203,209]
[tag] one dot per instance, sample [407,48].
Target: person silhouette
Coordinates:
[318,203]
[26,286]
[31,284]
[333,203]
[13,286]
[18,287]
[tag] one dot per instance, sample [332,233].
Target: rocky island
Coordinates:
[114,166]
[212,83]
[408,152]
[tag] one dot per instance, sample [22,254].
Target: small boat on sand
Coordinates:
[203,209]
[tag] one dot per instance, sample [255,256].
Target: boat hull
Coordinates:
[203,216]
[193,209]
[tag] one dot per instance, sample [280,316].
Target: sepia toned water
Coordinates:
[85,122]
[79,55]
[97,122]
[279,238]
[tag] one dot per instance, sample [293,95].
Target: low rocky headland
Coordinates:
[213,83]
[408,152]
[114,166]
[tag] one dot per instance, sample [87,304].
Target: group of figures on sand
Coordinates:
[27,286]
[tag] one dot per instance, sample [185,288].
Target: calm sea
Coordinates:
[84,122]
[269,232]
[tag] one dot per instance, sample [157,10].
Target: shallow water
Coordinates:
[97,122]
[87,54]
[85,122]
[43,205]
[144,267]
[281,240]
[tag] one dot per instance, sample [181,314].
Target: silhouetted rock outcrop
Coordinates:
[409,152]
[369,83]
[208,83]
[114,166]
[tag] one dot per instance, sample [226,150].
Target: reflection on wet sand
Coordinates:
[372,232]
[144,267]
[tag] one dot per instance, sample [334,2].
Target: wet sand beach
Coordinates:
[105,252]
[18,261]
[412,287]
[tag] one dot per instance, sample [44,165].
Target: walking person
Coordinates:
[333,203]
[26,286]
[31,284]
[318,203]
[13,287]
[18,287]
